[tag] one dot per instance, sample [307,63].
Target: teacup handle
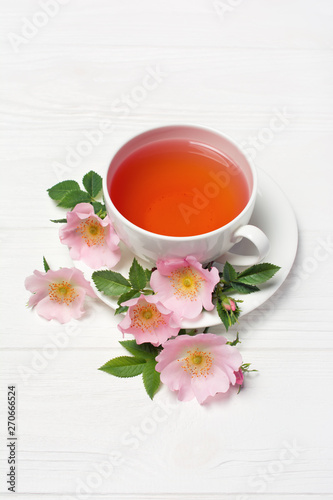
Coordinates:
[259,240]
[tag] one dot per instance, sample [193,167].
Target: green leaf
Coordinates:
[182,331]
[258,273]
[58,191]
[121,309]
[148,274]
[93,183]
[110,282]
[146,350]
[137,276]
[98,206]
[193,331]
[62,221]
[151,378]
[224,317]
[243,287]
[72,198]
[46,266]
[229,273]
[132,294]
[124,366]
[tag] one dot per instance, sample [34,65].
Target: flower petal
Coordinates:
[61,312]
[173,375]
[81,211]
[211,385]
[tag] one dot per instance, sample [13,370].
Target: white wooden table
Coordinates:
[233,65]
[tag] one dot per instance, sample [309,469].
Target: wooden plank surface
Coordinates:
[232,65]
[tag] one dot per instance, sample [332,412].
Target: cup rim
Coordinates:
[164,237]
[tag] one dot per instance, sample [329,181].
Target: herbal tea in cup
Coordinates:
[179,187]
[183,190]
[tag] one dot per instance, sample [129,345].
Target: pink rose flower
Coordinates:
[148,320]
[90,238]
[239,377]
[59,294]
[183,286]
[198,366]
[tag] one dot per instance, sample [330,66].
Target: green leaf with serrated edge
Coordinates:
[241,287]
[58,221]
[124,366]
[132,294]
[148,274]
[223,315]
[121,309]
[46,266]
[229,273]
[146,350]
[137,276]
[110,282]
[72,198]
[98,206]
[93,183]
[258,273]
[58,191]
[151,378]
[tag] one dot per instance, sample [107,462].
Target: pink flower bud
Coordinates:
[229,304]
[239,377]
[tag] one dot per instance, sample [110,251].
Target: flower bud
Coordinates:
[229,304]
[239,377]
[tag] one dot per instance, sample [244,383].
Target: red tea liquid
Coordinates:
[179,188]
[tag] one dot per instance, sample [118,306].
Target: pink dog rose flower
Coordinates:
[198,366]
[90,238]
[184,286]
[59,294]
[148,320]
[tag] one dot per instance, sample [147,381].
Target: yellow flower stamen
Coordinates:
[63,292]
[92,232]
[147,314]
[146,317]
[197,363]
[186,283]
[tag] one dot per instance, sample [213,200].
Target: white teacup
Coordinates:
[211,246]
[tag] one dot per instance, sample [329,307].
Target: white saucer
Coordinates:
[274,215]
